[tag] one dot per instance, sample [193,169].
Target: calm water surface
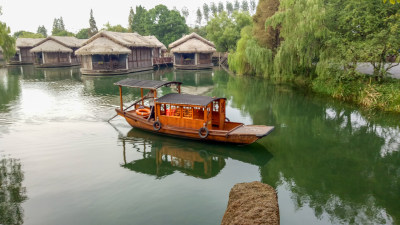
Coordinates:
[62,163]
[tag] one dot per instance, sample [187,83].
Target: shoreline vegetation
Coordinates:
[317,46]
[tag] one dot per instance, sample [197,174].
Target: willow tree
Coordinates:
[7,43]
[303,32]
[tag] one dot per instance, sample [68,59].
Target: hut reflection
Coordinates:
[162,156]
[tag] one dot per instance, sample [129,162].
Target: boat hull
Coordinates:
[241,135]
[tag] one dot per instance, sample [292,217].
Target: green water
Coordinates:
[62,163]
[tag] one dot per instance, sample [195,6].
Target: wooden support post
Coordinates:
[179,88]
[141,94]
[221,113]
[120,97]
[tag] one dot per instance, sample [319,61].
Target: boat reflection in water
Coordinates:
[162,156]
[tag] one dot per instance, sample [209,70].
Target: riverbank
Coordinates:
[361,90]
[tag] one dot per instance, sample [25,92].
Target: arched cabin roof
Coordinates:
[145,84]
[186,99]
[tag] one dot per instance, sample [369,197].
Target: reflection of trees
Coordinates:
[12,194]
[331,157]
[9,89]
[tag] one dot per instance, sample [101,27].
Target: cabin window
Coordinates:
[198,113]
[162,110]
[187,112]
[215,106]
[173,110]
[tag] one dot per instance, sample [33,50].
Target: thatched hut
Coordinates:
[108,53]
[192,52]
[57,51]
[159,56]
[23,54]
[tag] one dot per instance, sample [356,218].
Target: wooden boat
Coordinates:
[184,115]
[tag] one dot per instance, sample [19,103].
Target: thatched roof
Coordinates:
[158,43]
[27,42]
[102,46]
[51,46]
[192,43]
[124,39]
[70,42]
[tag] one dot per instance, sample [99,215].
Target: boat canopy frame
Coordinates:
[146,84]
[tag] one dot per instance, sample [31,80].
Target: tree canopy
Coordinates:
[83,33]
[116,28]
[92,25]
[42,30]
[7,43]
[167,25]
[224,30]
[27,34]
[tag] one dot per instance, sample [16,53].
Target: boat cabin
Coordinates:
[185,115]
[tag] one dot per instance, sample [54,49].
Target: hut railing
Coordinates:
[109,66]
[186,62]
[162,60]
[205,61]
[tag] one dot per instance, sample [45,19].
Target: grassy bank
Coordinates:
[362,90]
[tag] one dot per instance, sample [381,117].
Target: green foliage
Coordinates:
[266,37]
[361,32]
[92,25]
[238,61]
[252,6]
[199,16]
[391,1]
[220,7]
[245,6]
[199,30]
[83,34]
[224,31]
[303,19]
[185,12]
[58,26]
[206,12]
[229,8]
[64,33]
[361,89]
[236,5]
[167,25]
[140,20]
[27,34]
[116,28]
[42,30]
[130,18]
[213,9]
[7,43]
[249,57]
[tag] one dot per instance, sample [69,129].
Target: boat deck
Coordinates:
[257,130]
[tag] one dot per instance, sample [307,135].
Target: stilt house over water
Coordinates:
[23,54]
[57,51]
[108,53]
[192,52]
[159,52]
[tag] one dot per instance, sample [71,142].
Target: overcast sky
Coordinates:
[29,14]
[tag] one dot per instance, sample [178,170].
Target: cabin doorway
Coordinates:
[185,58]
